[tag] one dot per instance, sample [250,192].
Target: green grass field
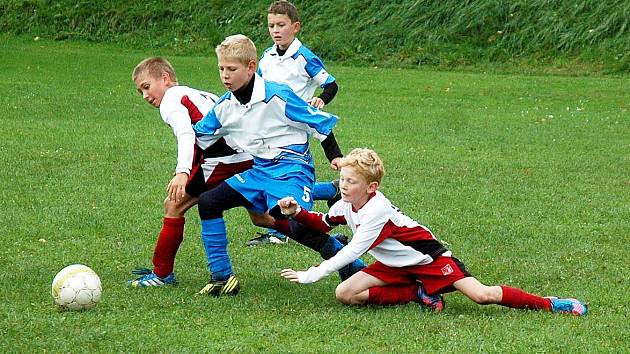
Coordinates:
[525,177]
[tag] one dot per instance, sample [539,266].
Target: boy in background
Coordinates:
[289,62]
[411,264]
[271,123]
[201,164]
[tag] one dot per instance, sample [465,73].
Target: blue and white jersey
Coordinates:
[274,126]
[299,68]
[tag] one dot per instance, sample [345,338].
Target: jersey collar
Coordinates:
[258,94]
[293,48]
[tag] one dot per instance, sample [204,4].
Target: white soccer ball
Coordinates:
[76,287]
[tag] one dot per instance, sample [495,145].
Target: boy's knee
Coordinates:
[344,294]
[485,296]
[169,205]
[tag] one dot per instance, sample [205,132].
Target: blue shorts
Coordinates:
[263,186]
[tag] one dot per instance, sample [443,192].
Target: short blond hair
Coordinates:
[238,47]
[367,163]
[154,66]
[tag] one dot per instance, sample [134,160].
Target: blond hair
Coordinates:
[284,8]
[154,66]
[366,162]
[237,47]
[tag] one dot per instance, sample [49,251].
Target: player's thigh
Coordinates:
[357,283]
[261,220]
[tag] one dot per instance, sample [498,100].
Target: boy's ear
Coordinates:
[297,26]
[251,66]
[372,187]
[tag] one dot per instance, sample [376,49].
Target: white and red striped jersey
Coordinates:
[378,228]
[183,106]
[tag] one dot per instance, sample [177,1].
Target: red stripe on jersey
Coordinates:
[386,232]
[336,220]
[193,111]
[408,235]
[416,237]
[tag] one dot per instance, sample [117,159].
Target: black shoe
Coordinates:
[267,238]
[231,286]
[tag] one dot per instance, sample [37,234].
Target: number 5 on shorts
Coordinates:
[306,197]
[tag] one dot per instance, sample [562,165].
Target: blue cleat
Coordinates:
[149,279]
[434,303]
[568,306]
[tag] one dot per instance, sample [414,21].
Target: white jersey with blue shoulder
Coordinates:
[274,125]
[299,68]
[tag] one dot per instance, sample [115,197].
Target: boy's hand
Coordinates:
[288,206]
[335,164]
[317,102]
[290,275]
[177,186]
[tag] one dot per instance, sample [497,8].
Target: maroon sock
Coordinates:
[393,294]
[168,242]
[519,299]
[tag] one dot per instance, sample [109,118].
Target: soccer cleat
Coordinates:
[149,279]
[231,287]
[432,302]
[330,202]
[265,238]
[568,306]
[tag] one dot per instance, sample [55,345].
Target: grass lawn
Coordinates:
[526,178]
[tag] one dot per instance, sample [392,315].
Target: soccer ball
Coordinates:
[76,287]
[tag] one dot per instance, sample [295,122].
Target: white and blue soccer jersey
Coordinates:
[299,68]
[274,127]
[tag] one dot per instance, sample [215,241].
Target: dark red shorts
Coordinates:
[209,175]
[437,277]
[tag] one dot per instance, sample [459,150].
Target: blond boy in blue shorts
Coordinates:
[271,123]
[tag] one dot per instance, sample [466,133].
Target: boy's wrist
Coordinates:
[292,215]
[182,170]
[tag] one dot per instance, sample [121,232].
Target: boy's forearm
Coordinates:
[313,220]
[331,148]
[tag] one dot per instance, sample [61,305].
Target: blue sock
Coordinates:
[214,238]
[324,191]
